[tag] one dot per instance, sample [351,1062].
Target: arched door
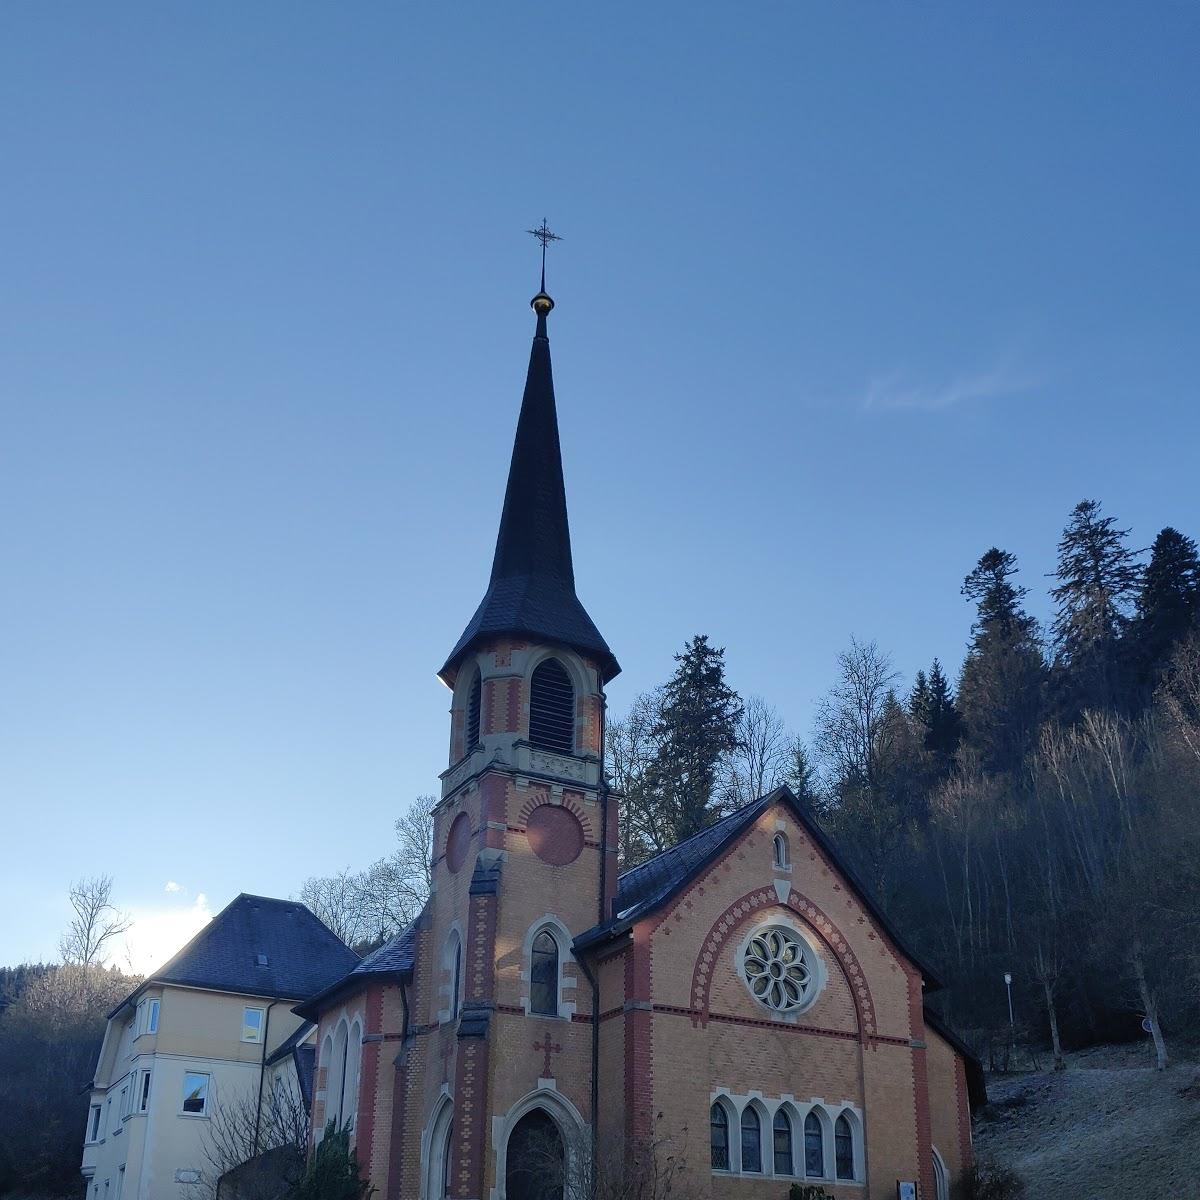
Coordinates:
[535,1164]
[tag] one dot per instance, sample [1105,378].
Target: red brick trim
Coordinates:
[736,915]
[569,802]
[368,1082]
[921,1111]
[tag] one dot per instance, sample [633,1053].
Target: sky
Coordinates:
[846,295]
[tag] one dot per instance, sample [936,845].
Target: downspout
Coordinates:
[262,1073]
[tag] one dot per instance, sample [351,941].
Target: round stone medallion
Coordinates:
[458,842]
[555,834]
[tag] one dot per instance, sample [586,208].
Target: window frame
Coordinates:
[564,741]
[814,1117]
[713,1124]
[843,1122]
[552,986]
[781,1114]
[207,1076]
[141,1102]
[95,1115]
[755,1142]
[256,1040]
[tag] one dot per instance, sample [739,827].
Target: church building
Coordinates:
[734,1015]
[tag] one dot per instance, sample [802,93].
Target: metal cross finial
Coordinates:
[544,236]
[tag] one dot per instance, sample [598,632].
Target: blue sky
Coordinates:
[847,295]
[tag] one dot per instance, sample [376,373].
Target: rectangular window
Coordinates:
[143,1093]
[252,1024]
[152,1016]
[94,1123]
[195,1093]
[126,1102]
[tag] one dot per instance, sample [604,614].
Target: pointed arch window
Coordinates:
[552,708]
[543,975]
[718,1137]
[781,850]
[814,1147]
[782,1127]
[474,705]
[843,1147]
[751,1140]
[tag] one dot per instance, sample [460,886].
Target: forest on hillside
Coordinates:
[1039,817]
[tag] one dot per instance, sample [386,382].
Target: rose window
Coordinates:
[779,969]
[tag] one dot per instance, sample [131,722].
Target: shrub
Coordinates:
[333,1170]
[988,1180]
[808,1191]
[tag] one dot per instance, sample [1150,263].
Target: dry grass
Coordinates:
[1110,1126]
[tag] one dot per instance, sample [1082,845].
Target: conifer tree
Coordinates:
[1000,690]
[696,728]
[1098,576]
[1168,606]
[939,717]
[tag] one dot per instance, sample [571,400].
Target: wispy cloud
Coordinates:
[897,391]
[172,886]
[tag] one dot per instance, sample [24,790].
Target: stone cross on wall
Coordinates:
[548,1047]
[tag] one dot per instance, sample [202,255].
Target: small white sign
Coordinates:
[905,1190]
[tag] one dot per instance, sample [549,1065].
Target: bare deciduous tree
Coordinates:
[254,1151]
[96,923]
[365,908]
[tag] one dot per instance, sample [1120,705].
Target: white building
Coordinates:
[213,1027]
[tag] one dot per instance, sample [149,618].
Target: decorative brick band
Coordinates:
[573,806]
[831,937]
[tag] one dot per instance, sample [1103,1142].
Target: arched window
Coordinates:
[814,1147]
[783,1143]
[543,975]
[718,1137]
[552,708]
[341,1050]
[751,1140]
[350,1087]
[781,850]
[535,1161]
[843,1147]
[941,1177]
[437,1161]
[474,703]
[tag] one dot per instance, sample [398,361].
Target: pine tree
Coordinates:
[1000,690]
[1168,606]
[1098,576]
[918,698]
[941,719]
[801,777]
[695,730]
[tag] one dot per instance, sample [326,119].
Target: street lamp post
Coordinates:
[1008,985]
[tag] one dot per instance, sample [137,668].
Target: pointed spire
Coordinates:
[531,592]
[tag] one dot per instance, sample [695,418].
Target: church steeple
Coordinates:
[531,593]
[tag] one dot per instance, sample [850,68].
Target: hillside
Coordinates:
[1110,1126]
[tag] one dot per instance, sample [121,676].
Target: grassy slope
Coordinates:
[1110,1126]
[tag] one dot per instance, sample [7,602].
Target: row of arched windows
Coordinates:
[551,709]
[813,1158]
[340,1053]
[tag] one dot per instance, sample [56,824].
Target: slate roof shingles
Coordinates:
[302,955]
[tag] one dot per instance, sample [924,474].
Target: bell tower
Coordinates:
[529,670]
[525,832]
